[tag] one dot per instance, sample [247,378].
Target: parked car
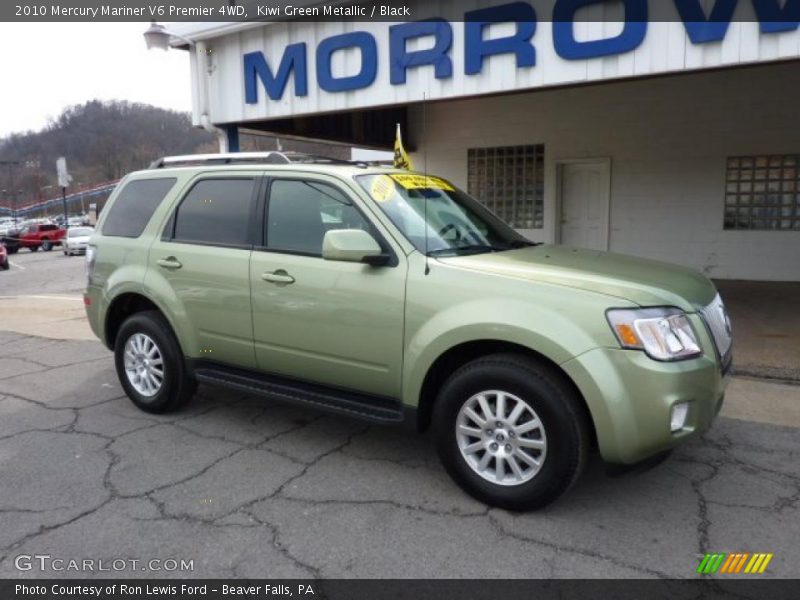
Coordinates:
[76,240]
[34,236]
[395,297]
[5,225]
[4,266]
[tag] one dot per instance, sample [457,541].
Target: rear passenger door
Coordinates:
[202,260]
[324,321]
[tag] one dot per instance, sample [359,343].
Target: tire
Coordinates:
[34,248]
[559,443]
[47,245]
[12,249]
[177,386]
[5,266]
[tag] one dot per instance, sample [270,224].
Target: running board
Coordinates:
[375,409]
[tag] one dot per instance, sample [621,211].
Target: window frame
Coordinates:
[742,199]
[168,234]
[519,153]
[262,244]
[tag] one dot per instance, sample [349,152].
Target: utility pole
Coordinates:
[9,164]
[64,179]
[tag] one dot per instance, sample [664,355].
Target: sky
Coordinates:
[45,67]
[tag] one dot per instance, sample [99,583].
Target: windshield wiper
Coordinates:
[470,249]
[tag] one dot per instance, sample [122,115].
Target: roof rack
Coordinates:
[273,158]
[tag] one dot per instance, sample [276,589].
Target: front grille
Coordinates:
[716,317]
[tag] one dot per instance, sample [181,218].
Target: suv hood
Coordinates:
[639,280]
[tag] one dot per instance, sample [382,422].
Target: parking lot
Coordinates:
[244,487]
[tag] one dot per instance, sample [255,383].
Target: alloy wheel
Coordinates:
[501,437]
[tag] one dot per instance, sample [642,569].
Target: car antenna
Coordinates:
[425,170]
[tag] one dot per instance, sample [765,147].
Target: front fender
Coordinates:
[538,328]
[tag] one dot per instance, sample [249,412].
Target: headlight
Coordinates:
[663,333]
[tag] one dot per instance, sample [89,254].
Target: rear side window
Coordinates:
[216,211]
[48,227]
[135,205]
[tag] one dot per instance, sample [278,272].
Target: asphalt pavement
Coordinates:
[236,486]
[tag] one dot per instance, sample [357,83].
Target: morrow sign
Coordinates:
[774,16]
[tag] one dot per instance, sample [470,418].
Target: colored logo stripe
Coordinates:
[734,562]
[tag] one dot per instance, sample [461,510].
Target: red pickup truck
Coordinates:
[33,237]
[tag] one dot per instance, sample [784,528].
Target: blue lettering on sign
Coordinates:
[774,16]
[256,67]
[402,59]
[566,46]
[476,48]
[701,29]
[369,61]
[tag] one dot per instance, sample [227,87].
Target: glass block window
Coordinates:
[509,180]
[763,192]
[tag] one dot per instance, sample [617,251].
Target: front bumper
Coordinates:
[630,397]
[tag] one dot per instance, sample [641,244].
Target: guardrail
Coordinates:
[74,197]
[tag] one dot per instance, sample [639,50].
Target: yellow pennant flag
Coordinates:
[401,158]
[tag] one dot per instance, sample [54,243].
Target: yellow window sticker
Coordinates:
[382,188]
[415,182]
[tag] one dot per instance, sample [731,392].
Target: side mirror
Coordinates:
[352,245]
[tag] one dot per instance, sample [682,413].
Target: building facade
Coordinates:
[671,139]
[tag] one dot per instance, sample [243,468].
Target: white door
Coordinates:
[583,200]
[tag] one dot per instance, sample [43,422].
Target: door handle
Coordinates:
[169,263]
[279,276]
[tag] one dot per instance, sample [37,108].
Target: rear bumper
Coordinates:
[94,302]
[630,397]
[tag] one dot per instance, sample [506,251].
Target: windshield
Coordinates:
[456,222]
[80,231]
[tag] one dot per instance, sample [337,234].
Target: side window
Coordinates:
[301,212]
[216,211]
[49,227]
[135,205]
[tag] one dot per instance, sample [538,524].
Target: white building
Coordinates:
[665,139]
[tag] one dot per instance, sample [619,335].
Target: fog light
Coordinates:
[678,416]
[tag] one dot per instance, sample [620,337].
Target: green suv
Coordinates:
[395,297]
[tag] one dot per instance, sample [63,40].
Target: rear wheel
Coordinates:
[511,432]
[47,245]
[150,364]
[34,248]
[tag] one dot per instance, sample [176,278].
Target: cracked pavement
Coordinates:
[251,488]
[246,487]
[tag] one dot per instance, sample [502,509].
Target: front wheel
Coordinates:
[150,365]
[511,431]
[34,248]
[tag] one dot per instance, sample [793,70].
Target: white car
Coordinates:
[76,240]
[6,225]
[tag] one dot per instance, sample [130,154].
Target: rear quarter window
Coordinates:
[134,206]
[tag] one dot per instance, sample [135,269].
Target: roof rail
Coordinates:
[222,158]
[273,157]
